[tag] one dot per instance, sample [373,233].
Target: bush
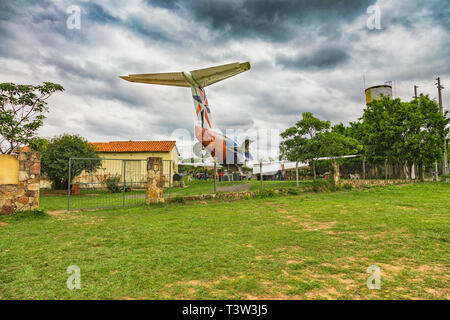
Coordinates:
[294,191]
[348,186]
[445,178]
[112,183]
[333,187]
[266,193]
[179,199]
[320,185]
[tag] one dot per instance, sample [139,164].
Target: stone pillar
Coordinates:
[23,194]
[155,180]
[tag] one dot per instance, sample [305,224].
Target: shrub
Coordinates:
[266,193]
[445,178]
[320,185]
[112,183]
[294,191]
[348,186]
[179,199]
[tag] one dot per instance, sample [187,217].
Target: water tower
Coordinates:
[375,93]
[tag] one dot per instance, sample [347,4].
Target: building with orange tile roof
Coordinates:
[139,150]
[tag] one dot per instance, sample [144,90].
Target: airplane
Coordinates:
[223,149]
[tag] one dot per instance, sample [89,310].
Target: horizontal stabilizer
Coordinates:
[167,79]
[202,77]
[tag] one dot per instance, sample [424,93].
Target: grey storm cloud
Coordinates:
[276,20]
[305,56]
[322,58]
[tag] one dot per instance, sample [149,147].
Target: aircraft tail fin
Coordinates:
[202,77]
[197,80]
[202,109]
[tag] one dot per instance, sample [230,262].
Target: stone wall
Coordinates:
[24,195]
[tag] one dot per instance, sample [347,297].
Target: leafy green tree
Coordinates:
[335,144]
[425,133]
[55,159]
[356,131]
[404,132]
[22,109]
[383,128]
[297,145]
[38,144]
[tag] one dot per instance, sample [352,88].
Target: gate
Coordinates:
[108,183]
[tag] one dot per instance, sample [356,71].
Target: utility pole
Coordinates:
[441,108]
[415,92]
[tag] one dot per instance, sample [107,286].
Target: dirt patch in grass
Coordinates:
[436,269]
[439,292]
[323,293]
[236,188]
[273,204]
[310,225]
[89,221]
[272,297]
[56,212]
[292,261]
[63,215]
[408,208]
[3,224]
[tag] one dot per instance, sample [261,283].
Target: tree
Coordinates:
[297,145]
[356,131]
[55,159]
[405,133]
[22,109]
[425,133]
[38,144]
[335,144]
[383,127]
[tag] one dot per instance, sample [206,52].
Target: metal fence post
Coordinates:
[215,177]
[124,181]
[68,187]
[260,175]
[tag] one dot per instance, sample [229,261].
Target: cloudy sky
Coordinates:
[305,56]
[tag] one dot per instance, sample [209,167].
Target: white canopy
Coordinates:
[272,168]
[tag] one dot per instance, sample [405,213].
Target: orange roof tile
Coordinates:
[134,146]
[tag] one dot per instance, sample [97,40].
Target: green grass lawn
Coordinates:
[102,198]
[310,246]
[204,187]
